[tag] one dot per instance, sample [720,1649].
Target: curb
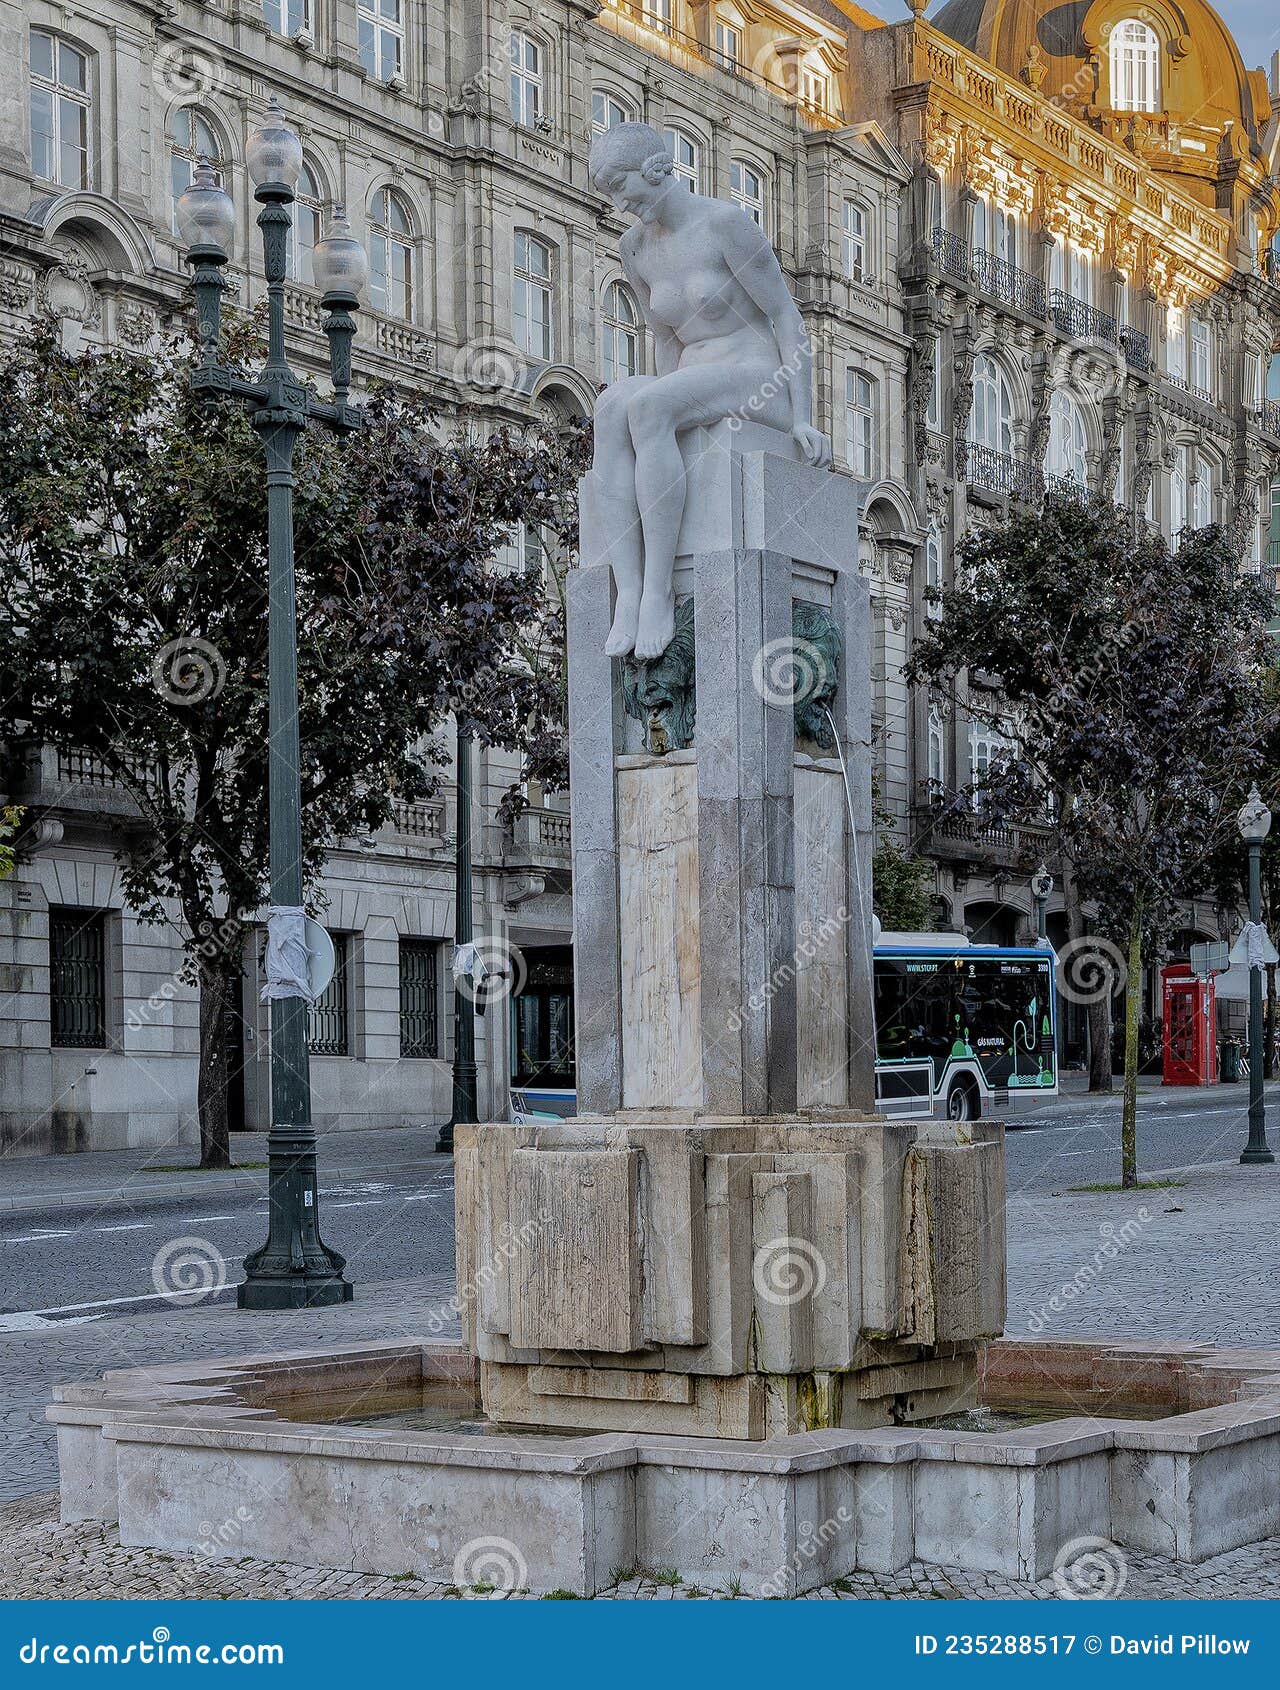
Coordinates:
[210,1185]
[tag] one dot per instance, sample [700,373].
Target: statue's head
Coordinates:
[630,163]
[660,695]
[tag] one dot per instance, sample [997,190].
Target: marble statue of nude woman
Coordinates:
[730,342]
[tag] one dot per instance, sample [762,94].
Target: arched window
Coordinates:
[1200,513]
[531,296]
[191,138]
[853,227]
[381,43]
[526,79]
[1068,456]
[607,111]
[933,568]
[937,751]
[308,209]
[746,188]
[622,334]
[61,107]
[1135,66]
[991,419]
[860,423]
[686,156]
[391,255]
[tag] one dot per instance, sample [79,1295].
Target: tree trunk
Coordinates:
[1132,1005]
[218,979]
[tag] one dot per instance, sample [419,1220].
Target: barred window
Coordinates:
[77,979]
[419,997]
[328,1032]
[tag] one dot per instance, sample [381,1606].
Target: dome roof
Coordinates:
[1203,80]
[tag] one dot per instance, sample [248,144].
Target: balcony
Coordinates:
[540,839]
[1081,320]
[1007,283]
[949,828]
[1270,417]
[1136,347]
[998,472]
[422,821]
[952,254]
[1066,486]
[1269,266]
[79,781]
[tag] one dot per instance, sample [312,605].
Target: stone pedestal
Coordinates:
[727,1241]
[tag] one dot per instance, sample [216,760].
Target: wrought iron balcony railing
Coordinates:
[1136,347]
[1006,282]
[1066,486]
[952,254]
[998,472]
[1078,318]
[1271,416]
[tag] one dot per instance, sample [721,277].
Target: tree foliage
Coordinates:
[1132,684]
[133,622]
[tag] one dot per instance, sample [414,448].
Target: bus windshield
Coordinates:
[995,1008]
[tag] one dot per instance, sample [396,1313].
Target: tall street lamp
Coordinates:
[294,1268]
[1255,823]
[1042,891]
[466,983]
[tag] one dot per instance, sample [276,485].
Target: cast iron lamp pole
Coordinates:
[1042,891]
[465,986]
[294,1268]
[1255,823]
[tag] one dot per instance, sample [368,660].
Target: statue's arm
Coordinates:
[755,266]
[666,346]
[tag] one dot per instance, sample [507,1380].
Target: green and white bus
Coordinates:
[961,1025]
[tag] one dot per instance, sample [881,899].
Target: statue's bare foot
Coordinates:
[622,635]
[657,624]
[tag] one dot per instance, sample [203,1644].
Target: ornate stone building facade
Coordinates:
[1022,250]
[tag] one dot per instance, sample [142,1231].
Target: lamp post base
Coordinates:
[1257,1155]
[444,1140]
[294,1291]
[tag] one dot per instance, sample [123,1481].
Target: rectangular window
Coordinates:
[328,1031]
[532,296]
[526,79]
[287,17]
[1176,343]
[657,14]
[59,95]
[1202,357]
[815,91]
[860,423]
[854,229]
[728,52]
[77,979]
[381,25]
[419,997]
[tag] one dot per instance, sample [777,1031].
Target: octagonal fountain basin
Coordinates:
[376,1458]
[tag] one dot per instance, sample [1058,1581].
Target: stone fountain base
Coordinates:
[245,1457]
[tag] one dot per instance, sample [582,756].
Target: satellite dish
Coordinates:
[322,959]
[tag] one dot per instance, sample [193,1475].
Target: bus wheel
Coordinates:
[960,1102]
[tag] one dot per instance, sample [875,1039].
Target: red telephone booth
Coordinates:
[1190,1047]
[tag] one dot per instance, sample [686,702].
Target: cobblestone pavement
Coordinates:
[39,1558]
[1196,1262]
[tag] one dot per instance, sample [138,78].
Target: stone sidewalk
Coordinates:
[40,1559]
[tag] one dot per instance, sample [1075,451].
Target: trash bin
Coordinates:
[1229,1061]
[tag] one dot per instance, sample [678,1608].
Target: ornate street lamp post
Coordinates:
[466,985]
[294,1268]
[1042,891]
[1255,823]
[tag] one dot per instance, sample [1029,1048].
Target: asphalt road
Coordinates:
[1074,1141]
[100,1264]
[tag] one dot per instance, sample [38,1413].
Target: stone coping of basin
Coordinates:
[199,1404]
